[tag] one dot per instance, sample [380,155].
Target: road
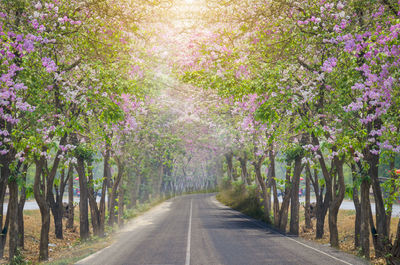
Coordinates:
[196,229]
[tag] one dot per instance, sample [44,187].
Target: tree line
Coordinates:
[77,92]
[314,83]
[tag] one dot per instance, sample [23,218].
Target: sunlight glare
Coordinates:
[189,1]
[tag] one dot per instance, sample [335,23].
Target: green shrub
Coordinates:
[18,259]
[242,198]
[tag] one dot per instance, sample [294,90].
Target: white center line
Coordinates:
[189,235]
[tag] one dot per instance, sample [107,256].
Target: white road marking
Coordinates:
[305,245]
[189,235]
[320,251]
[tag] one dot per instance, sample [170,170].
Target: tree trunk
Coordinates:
[13,226]
[276,203]
[283,212]
[337,198]
[3,235]
[270,178]
[94,214]
[229,163]
[365,208]
[57,207]
[381,229]
[274,189]
[60,206]
[44,235]
[320,215]
[321,204]
[55,204]
[121,167]
[5,173]
[38,187]
[57,211]
[110,184]
[83,202]
[12,212]
[94,211]
[264,189]
[21,204]
[357,206]
[295,204]
[70,221]
[307,213]
[373,228]
[373,162]
[243,166]
[121,204]
[160,180]
[106,181]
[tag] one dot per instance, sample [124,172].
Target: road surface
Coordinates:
[196,229]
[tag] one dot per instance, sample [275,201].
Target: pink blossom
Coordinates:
[49,64]
[3,152]
[329,64]
[374,152]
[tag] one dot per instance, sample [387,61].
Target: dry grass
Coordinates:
[32,222]
[346,221]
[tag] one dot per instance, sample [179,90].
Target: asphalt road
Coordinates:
[196,229]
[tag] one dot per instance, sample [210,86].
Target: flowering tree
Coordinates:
[306,59]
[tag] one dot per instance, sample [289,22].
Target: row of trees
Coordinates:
[315,83]
[77,93]
[62,98]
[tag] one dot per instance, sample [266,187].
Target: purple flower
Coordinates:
[350,45]
[49,64]
[35,24]
[3,152]
[19,38]
[42,28]
[329,64]
[38,6]
[374,152]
